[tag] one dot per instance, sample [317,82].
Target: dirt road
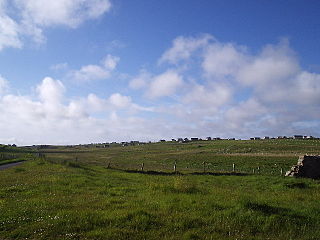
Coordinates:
[5,166]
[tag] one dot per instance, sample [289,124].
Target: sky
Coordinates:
[92,71]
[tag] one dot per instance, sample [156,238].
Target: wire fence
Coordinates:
[172,167]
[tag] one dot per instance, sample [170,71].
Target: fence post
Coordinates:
[142,167]
[204,167]
[233,167]
[281,171]
[175,167]
[253,171]
[258,170]
[108,165]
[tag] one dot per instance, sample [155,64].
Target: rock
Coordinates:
[307,166]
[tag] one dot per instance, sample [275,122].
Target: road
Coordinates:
[5,166]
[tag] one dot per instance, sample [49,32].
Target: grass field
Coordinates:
[71,194]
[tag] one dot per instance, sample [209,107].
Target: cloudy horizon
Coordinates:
[66,78]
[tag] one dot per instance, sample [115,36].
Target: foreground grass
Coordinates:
[46,200]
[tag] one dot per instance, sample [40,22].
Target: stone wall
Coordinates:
[307,166]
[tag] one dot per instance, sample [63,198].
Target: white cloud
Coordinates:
[119,101]
[307,88]
[206,97]
[223,60]
[4,85]
[52,118]
[51,90]
[30,17]
[229,90]
[61,12]
[95,72]
[90,72]
[9,32]
[276,64]
[226,91]
[140,81]
[110,62]
[184,47]
[241,115]
[164,84]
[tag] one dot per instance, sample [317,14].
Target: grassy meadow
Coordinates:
[100,193]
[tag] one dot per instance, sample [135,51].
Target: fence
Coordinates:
[204,169]
[146,165]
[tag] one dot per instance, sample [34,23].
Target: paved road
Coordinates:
[5,166]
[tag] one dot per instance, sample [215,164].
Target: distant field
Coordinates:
[71,194]
[268,155]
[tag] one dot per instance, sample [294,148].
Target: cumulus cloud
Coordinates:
[51,90]
[30,17]
[208,97]
[223,60]
[9,31]
[164,84]
[95,72]
[61,12]
[119,101]
[227,91]
[51,117]
[141,81]
[184,47]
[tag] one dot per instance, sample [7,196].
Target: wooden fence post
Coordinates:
[281,171]
[142,167]
[175,167]
[233,167]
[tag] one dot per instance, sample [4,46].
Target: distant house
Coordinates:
[180,140]
[173,140]
[209,138]
[231,139]
[257,138]
[134,142]
[194,139]
[162,140]
[186,140]
[297,136]
[266,137]
[252,138]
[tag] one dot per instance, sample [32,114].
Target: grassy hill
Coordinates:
[72,194]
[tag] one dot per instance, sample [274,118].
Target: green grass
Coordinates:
[269,155]
[60,198]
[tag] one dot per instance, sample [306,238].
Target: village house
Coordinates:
[297,136]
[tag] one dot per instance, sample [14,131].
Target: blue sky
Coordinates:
[79,71]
